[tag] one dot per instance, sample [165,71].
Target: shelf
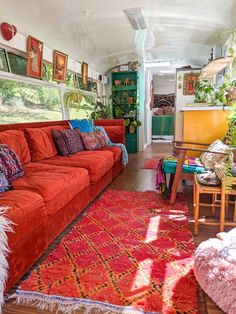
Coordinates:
[215,67]
[126,88]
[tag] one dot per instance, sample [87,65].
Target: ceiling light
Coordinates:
[136,18]
[166,71]
[157,64]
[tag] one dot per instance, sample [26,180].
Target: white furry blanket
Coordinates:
[5,226]
[215,269]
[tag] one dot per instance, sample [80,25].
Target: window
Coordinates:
[18,64]
[3,61]
[23,102]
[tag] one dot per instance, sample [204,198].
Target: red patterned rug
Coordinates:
[130,253]
[151,164]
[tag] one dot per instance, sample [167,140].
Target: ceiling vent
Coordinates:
[135,18]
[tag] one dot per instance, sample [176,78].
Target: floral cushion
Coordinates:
[209,159]
[10,165]
[101,139]
[208,178]
[73,140]
[60,142]
[90,140]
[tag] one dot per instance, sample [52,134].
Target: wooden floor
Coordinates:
[133,178]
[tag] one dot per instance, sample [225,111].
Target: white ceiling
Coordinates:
[99,33]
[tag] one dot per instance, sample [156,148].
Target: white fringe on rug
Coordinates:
[5,226]
[65,305]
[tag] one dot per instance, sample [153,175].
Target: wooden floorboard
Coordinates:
[133,178]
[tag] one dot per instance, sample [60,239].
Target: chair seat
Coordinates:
[169,167]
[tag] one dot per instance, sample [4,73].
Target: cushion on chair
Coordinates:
[208,178]
[214,268]
[169,167]
[209,159]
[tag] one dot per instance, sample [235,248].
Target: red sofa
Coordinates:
[54,189]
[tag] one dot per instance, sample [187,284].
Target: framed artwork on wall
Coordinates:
[34,57]
[60,61]
[84,72]
[190,80]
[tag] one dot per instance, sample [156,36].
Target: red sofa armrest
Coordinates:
[115,129]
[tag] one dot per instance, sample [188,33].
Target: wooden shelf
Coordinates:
[125,88]
[215,67]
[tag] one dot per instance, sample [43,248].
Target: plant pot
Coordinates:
[232,94]
[132,129]
[130,100]
[117,82]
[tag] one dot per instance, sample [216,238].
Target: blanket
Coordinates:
[125,158]
[5,226]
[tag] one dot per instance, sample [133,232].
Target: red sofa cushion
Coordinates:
[117,153]
[115,133]
[27,211]
[56,184]
[16,141]
[96,162]
[41,142]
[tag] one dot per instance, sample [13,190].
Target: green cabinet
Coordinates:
[125,105]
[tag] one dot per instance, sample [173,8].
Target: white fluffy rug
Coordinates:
[5,226]
[215,269]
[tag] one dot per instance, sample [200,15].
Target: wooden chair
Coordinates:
[181,151]
[223,203]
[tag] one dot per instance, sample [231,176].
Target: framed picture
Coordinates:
[124,68]
[190,80]
[34,57]
[60,61]
[84,72]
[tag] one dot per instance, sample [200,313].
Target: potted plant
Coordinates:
[204,92]
[134,125]
[101,111]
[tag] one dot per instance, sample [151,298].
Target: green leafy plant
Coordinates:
[136,123]
[204,92]
[101,111]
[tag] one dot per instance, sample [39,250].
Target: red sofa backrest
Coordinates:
[15,139]
[41,142]
[40,145]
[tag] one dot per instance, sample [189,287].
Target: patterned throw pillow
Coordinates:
[101,139]
[73,140]
[90,141]
[60,142]
[4,184]
[10,165]
[209,159]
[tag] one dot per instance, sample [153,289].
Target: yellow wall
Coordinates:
[204,126]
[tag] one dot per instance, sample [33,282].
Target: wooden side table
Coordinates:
[224,194]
